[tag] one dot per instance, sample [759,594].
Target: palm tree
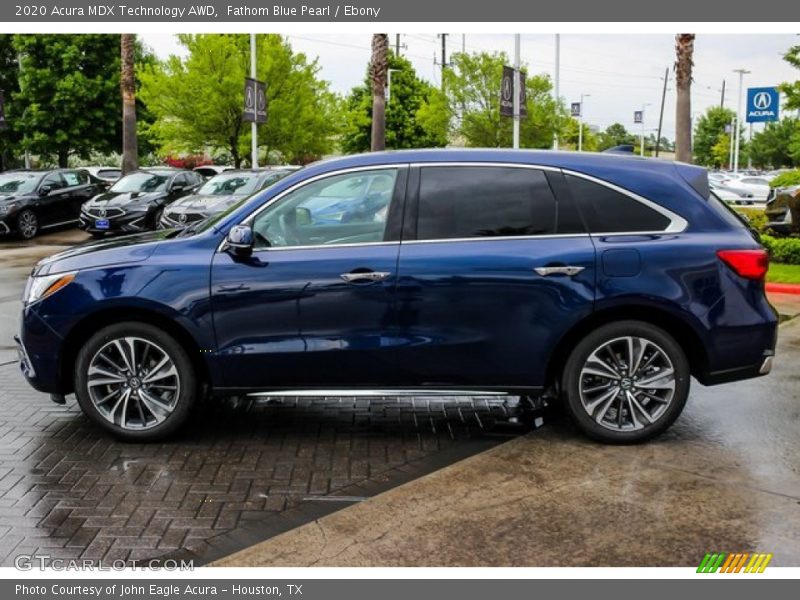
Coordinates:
[127,84]
[378,71]
[684,51]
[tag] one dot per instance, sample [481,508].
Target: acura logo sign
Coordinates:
[102,212]
[762,101]
[182,218]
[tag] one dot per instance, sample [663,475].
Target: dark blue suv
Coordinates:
[604,280]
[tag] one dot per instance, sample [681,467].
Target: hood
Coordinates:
[102,253]
[10,197]
[122,199]
[201,203]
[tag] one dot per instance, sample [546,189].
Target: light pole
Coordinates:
[253,125]
[742,73]
[580,124]
[517,89]
[555,88]
[641,137]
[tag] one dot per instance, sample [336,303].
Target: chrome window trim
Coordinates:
[677,223]
[322,246]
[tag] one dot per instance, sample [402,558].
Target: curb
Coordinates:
[783,288]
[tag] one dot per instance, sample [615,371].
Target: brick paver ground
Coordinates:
[69,491]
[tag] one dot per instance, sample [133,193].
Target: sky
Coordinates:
[617,73]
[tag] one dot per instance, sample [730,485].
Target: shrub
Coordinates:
[756,216]
[787,179]
[782,250]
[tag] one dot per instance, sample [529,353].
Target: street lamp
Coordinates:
[580,124]
[742,73]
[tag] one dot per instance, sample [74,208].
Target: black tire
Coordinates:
[583,391]
[156,218]
[27,224]
[159,344]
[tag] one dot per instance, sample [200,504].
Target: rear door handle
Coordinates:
[561,270]
[365,276]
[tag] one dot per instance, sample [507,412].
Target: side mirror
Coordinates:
[302,217]
[240,240]
[45,190]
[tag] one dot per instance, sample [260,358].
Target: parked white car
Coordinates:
[732,195]
[757,185]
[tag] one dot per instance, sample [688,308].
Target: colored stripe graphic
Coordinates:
[734,563]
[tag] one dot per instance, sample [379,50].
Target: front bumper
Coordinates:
[5,228]
[129,222]
[39,350]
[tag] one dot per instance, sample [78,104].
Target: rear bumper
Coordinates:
[739,373]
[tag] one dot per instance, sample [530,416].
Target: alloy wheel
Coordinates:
[133,383]
[627,383]
[27,224]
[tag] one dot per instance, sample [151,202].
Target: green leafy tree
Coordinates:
[614,135]
[792,89]
[197,101]
[570,134]
[708,133]
[9,84]
[417,115]
[473,84]
[778,145]
[68,101]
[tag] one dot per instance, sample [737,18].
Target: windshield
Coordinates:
[141,182]
[18,183]
[230,184]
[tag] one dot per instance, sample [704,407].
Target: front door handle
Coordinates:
[561,270]
[365,276]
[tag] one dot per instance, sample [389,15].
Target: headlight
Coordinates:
[46,285]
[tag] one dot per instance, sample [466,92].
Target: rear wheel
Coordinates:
[136,381]
[626,382]
[27,224]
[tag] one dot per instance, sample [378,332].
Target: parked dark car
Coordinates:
[602,280]
[31,201]
[779,210]
[218,194]
[136,202]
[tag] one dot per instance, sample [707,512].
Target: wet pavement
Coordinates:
[397,481]
[725,477]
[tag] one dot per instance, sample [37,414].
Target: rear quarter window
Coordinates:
[606,210]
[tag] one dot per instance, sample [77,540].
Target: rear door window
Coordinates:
[474,202]
[606,210]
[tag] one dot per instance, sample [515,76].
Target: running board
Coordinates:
[372,393]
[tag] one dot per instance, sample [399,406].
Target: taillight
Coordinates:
[750,264]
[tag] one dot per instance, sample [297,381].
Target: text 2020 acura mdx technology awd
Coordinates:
[607,280]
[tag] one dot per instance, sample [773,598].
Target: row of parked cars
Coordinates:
[741,189]
[101,201]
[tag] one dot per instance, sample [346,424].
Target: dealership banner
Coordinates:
[498,11]
[263,588]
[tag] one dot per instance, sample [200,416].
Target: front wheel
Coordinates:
[27,224]
[626,382]
[136,381]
